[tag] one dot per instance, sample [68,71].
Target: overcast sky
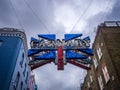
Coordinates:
[58,17]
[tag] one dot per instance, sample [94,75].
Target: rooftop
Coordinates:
[110,24]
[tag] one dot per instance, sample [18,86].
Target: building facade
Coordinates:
[32,83]
[105,70]
[14,68]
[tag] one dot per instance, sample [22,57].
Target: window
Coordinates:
[24,70]
[99,52]
[88,84]
[91,78]
[16,81]
[26,78]
[95,62]
[21,62]
[1,42]
[21,85]
[101,44]
[106,74]
[100,82]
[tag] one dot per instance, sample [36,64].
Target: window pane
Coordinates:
[106,74]
[21,86]
[17,81]
[100,82]
[26,78]
[21,62]
[99,52]
[95,62]
[88,84]
[24,70]
[91,78]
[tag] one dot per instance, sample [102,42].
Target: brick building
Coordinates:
[105,71]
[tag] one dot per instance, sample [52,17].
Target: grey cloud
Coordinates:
[50,79]
[115,14]
[47,77]
[29,19]
[95,20]
[6,16]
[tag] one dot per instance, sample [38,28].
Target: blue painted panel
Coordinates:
[33,51]
[74,55]
[48,36]
[71,36]
[9,52]
[34,39]
[48,56]
[68,47]
[87,51]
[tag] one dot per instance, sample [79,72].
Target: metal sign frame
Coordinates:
[72,49]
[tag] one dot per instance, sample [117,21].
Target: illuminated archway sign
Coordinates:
[72,49]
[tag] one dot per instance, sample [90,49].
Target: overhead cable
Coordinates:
[106,10]
[36,16]
[14,10]
[81,15]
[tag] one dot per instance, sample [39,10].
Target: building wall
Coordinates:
[13,60]
[32,83]
[91,80]
[8,53]
[112,39]
[107,53]
[111,53]
[24,72]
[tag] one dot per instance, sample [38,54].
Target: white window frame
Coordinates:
[105,73]
[100,81]
[99,52]
[88,84]
[95,62]
[101,44]
[91,78]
